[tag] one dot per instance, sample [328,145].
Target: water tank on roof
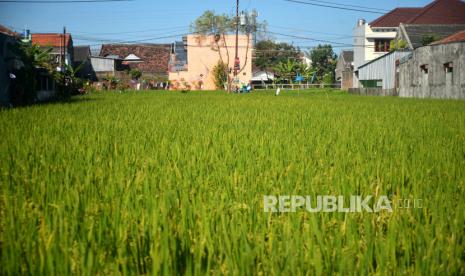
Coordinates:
[26,33]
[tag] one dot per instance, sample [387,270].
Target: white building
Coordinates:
[372,40]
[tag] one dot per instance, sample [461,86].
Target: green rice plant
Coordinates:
[173,183]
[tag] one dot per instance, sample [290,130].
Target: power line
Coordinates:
[60,1]
[346,5]
[308,38]
[136,31]
[363,9]
[141,40]
[333,7]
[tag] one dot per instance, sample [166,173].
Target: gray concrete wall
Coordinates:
[347,79]
[436,83]
[373,92]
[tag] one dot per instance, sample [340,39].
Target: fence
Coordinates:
[294,86]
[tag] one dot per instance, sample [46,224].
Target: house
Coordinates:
[9,62]
[61,45]
[204,53]
[435,71]
[82,59]
[61,50]
[345,69]
[372,40]
[151,59]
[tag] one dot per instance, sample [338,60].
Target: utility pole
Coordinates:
[63,60]
[63,50]
[236,58]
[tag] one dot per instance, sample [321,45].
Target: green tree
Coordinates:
[307,72]
[323,61]
[220,74]
[287,70]
[269,54]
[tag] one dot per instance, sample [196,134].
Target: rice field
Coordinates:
[174,183]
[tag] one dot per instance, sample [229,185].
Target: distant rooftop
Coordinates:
[457,37]
[437,12]
[51,40]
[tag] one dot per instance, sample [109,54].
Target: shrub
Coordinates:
[220,75]
[135,74]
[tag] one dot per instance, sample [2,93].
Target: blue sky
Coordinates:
[90,23]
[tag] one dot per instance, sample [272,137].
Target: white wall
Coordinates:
[100,64]
[364,46]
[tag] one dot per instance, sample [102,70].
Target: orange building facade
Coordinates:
[204,53]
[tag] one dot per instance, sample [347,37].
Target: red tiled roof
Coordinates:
[457,37]
[441,12]
[154,57]
[51,40]
[395,17]
[437,12]
[5,30]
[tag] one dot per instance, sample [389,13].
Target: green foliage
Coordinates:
[268,54]
[287,71]
[328,78]
[173,184]
[398,44]
[220,75]
[33,60]
[324,60]
[112,82]
[67,81]
[428,39]
[210,23]
[135,73]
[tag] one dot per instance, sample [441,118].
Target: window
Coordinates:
[382,45]
[449,67]
[424,68]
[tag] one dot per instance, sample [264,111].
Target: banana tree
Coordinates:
[307,72]
[287,70]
